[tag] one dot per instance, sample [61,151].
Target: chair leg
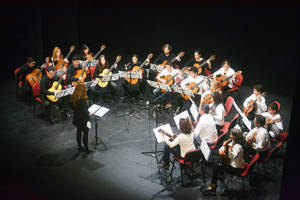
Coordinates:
[181,175]
[172,169]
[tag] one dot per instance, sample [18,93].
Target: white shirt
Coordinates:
[218,114]
[236,155]
[230,72]
[262,142]
[206,129]
[185,141]
[275,117]
[203,86]
[261,105]
[165,72]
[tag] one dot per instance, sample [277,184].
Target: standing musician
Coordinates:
[183,143]
[258,138]
[111,87]
[23,86]
[136,89]
[81,115]
[255,103]
[217,110]
[198,60]
[206,127]
[232,154]
[273,120]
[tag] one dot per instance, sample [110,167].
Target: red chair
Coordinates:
[237,84]
[19,91]
[206,71]
[37,100]
[92,71]
[228,105]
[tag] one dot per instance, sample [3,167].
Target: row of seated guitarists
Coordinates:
[210,89]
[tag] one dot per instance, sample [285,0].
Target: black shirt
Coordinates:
[130,65]
[45,84]
[24,71]
[162,57]
[193,61]
[81,113]
[71,71]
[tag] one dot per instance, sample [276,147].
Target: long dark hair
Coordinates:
[101,67]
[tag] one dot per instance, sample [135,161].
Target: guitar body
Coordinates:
[134,81]
[191,86]
[59,65]
[101,83]
[207,99]
[77,75]
[169,79]
[250,107]
[197,65]
[164,63]
[34,77]
[221,82]
[56,87]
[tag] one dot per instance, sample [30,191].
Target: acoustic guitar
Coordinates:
[56,87]
[172,137]
[192,86]
[105,72]
[251,105]
[199,66]
[173,60]
[35,75]
[224,80]
[61,63]
[139,69]
[169,79]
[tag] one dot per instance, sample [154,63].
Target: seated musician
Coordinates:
[86,55]
[206,127]
[23,86]
[134,90]
[227,71]
[257,101]
[217,110]
[56,58]
[232,154]
[198,60]
[258,138]
[206,95]
[273,120]
[111,87]
[183,143]
[72,69]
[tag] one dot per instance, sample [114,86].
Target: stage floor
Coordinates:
[40,160]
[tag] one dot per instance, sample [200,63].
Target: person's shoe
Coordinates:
[164,166]
[211,190]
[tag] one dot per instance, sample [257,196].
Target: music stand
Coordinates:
[156,68]
[98,112]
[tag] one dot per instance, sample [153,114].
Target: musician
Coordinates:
[72,69]
[198,60]
[206,96]
[166,55]
[85,54]
[81,116]
[206,127]
[260,102]
[23,86]
[183,143]
[111,87]
[217,110]
[233,159]
[273,120]
[258,138]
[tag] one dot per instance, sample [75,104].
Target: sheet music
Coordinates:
[194,110]
[92,63]
[93,108]
[88,84]
[69,91]
[153,83]
[188,92]
[123,74]
[59,94]
[164,86]
[177,89]
[244,117]
[94,83]
[112,77]
[205,149]
[159,136]
[101,112]
[183,114]
[156,68]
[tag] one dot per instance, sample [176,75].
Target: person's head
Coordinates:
[237,136]
[226,64]
[194,72]
[56,53]
[50,72]
[79,93]
[135,58]
[259,121]
[214,85]
[75,60]
[102,60]
[167,48]
[217,97]
[197,54]
[204,109]
[169,66]
[273,108]
[185,126]
[258,89]
[85,49]
[30,62]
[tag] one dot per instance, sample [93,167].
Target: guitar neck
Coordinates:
[97,54]
[197,84]
[142,65]
[111,68]
[201,65]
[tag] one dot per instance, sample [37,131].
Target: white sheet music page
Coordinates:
[93,108]
[184,115]
[194,110]
[205,149]
[101,112]
[159,136]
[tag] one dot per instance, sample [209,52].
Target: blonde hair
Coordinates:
[55,50]
[79,93]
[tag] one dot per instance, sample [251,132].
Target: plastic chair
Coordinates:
[92,71]
[37,100]
[237,84]
[228,105]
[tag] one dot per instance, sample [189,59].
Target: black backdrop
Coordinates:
[259,39]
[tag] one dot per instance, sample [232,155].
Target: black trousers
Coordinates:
[82,132]
[133,90]
[168,150]
[97,92]
[219,169]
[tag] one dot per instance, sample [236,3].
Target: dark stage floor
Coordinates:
[39,159]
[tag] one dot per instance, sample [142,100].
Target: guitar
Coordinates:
[169,79]
[139,69]
[224,154]
[85,70]
[56,87]
[61,65]
[253,139]
[251,105]
[207,99]
[192,86]
[172,137]
[105,72]
[173,60]
[199,66]
[224,80]
[35,75]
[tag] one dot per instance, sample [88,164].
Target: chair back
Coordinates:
[228,105]
[92,71]
[239,81]
[283,136]
[278,145]
[36,89]
[193,156]
[15,73]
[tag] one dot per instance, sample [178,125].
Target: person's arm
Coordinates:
[245,104]
[236,149]
[258,144]
[218,115]
[70,74]
[174,143]
[217,72]
[44,90]
[261,104]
